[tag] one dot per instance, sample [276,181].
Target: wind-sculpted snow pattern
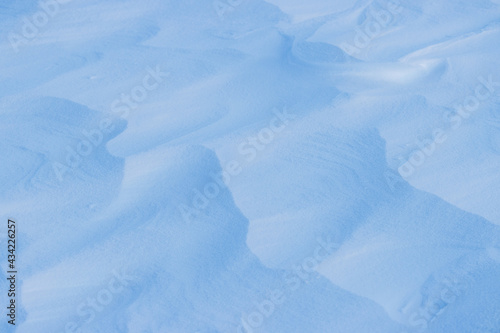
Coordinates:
[201,166]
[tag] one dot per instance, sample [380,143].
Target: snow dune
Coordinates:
[253,166]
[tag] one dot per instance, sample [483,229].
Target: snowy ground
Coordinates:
[200,166]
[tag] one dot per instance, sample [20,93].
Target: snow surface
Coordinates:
[285,165]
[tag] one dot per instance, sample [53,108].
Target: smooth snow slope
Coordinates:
[278,170]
